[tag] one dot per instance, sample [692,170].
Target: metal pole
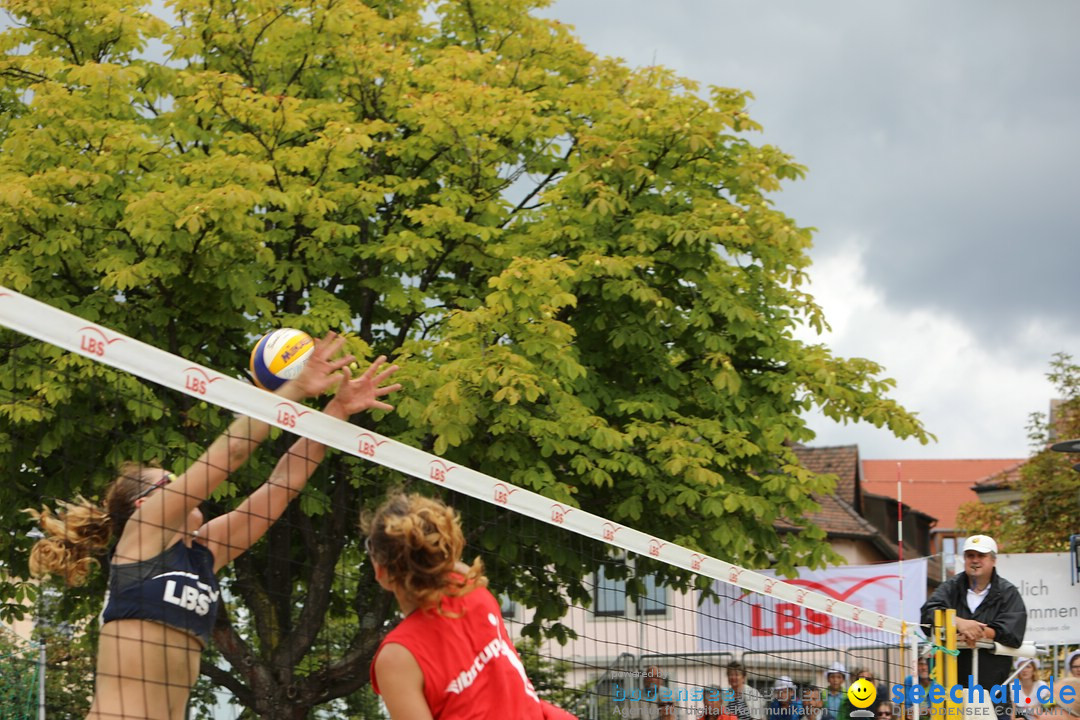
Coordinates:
[900,534]
[41,681]
[939,656]
[913,643]
[951,706]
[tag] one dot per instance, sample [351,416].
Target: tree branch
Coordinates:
[543,183]
[233,648]
[313,615]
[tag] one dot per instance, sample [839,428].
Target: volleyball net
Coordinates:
[609,621]
[20,676]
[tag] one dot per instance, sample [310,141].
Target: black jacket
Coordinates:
[1002,609]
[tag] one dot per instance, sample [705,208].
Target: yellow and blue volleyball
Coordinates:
[279,356]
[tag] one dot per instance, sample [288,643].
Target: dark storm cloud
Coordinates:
[944,135]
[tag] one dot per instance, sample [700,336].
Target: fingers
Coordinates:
[379,392]
[373,367]
[328,345]
[384,375]
[341,363]
[378,378]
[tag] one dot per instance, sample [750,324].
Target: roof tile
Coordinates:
[839,460]
[936,487]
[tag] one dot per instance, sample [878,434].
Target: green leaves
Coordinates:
[1047,512]
[581,267]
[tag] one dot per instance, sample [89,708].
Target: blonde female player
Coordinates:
[163,596]
[451,656]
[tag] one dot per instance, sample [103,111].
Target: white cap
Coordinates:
[980,544]
[1022,661]
[784,683]
[836,667]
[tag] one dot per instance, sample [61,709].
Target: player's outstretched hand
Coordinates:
[321,371]
[363,393]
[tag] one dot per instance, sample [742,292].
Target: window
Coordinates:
[654,601]
[610,595]
[508,607]
[611,599]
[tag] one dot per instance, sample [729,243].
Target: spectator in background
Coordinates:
[714,706]
[652,681]
[1028,704]
[834,692]
[1072,664]
[746,703]
[846,707]
[884,711]
[649,704]
[813,702]
[924,681]
[785,705]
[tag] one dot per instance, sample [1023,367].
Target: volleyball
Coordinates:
[279,356]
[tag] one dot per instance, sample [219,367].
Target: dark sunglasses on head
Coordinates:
[165,480]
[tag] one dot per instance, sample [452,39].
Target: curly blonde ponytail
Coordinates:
[73,535]
[420,542]
[78,531]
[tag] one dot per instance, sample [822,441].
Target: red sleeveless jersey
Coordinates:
[471,669]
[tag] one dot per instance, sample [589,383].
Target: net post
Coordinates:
[912,643]
[939,656]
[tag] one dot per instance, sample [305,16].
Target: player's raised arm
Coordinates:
[160,515]
[232,534]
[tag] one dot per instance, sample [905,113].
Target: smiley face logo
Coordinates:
[862,693]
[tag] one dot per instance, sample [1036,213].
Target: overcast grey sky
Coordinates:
[943,148]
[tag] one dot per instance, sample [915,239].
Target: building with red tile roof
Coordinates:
[1000,487]
[938,488]
[861,526]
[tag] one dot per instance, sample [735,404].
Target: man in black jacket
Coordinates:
[988,607]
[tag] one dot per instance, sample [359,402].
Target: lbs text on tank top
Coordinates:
[177,588]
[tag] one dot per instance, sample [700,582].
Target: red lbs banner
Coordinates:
[758,622]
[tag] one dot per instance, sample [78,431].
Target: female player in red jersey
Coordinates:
[451,656]
[163,596]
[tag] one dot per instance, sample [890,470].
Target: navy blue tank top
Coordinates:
[177,588]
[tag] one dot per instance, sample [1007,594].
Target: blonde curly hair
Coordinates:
[78,531]
[420,542]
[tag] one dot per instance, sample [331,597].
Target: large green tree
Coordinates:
[580,265]
[1048,510]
